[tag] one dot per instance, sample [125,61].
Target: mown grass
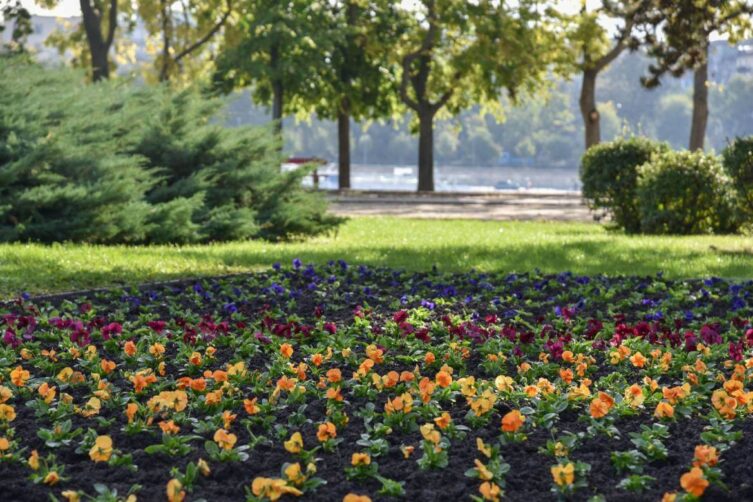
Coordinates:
[451,245]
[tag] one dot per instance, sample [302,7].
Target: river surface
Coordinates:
[454,178]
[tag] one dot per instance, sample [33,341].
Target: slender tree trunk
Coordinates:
[588,110]
[277,103]
[426,152]
[164,74]
[700,106]
[343,145]
[343,115]
[277,91]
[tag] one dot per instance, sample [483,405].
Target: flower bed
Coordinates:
[350,383]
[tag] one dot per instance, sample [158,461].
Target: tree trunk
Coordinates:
[100,64]
[343,113]
[343,145]
[426,152]
[277,102]
[164,74]
[99,46]
[277,91]
[700,106]
[591,118]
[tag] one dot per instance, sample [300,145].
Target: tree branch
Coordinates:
[405,80]
[427,45]
[188,50]
[443,99]
[113,23]
[619,46]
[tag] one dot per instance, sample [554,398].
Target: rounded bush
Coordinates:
[609,172]
[685,193]
[738,163]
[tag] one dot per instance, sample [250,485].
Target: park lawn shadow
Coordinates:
[50,273]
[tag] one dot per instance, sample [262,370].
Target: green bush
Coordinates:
[119,163]
[609,172]
[738,163]
[685,193]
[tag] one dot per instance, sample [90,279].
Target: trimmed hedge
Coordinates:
[737,158]
[685,193]
[609,172]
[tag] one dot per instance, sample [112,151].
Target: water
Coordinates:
[454,178]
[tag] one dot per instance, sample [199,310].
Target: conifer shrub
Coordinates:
[116,162]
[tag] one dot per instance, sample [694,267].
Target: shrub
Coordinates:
[62,173]
[685,193]
[120,163]
[738,163]
[609,172]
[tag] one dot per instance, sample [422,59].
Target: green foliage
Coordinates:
[738,163]
[685,193]
[13,11]
[609,172]
[275,47]
[457,54]
[62,172]
[120,163]
[412,244]
[187,32]
[356,41]
[672,119]
[677,33]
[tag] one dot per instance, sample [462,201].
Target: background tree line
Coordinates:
[435,65]
[539,132]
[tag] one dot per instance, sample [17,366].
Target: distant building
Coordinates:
[744,61]
[727,60]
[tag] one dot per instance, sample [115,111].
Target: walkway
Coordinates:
[527,205]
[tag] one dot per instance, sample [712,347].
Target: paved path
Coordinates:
[528,205]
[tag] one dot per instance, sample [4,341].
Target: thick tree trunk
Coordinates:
[99,46]
[100,64]
[426,152]
[591,118]
[343,145]
[700,106]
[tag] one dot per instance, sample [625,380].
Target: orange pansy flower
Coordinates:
[286,350]
[224,439]
[512,421]
[102,449]
[326,431]
[664,410]
[694,482]
[250,406]
[334,375]
[19,376]
[443,421]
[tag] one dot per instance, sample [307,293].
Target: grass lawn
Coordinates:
[452,245]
